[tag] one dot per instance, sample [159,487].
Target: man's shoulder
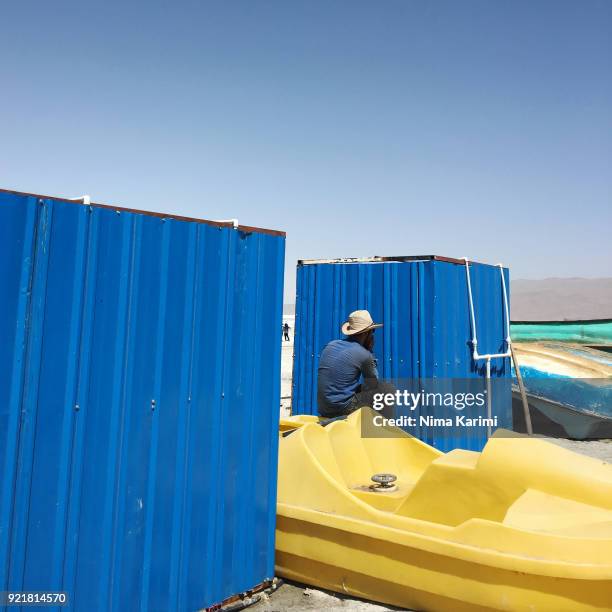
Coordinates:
[352,348]
[333,346]
[360,351]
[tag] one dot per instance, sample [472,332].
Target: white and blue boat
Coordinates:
[569,389]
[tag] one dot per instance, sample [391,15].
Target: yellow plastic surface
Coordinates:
[524,525]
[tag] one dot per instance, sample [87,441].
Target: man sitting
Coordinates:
[342,366]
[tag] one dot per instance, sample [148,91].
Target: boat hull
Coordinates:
[569,390]
[549,418]
[524,525]
[385,570]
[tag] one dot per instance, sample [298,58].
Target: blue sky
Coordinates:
[480,128]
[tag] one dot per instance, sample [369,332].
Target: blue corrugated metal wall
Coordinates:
[425,310]
[139,402]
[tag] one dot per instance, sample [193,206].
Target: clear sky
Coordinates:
[460,127]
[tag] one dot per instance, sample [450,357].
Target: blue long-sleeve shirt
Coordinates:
[342,366]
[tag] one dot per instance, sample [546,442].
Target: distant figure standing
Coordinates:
[286,332]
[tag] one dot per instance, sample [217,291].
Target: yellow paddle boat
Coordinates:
[524,525]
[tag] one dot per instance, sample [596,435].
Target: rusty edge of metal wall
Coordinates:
[383,259]
[244,228]
[139,394]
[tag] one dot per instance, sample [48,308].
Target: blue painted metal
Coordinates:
[139,403]
[593,396]
[423,303]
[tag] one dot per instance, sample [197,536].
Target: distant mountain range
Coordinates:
[553,299]
[559,299]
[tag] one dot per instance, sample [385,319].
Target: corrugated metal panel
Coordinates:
[423,303]
[139,395]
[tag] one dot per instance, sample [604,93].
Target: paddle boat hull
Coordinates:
[524,525]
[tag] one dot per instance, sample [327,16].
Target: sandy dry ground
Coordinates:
[287,368]
[600,449]
[297,598]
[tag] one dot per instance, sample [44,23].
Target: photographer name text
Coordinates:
[460,420]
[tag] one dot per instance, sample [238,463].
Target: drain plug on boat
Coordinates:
[384,483]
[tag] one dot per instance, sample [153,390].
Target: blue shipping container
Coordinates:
[139,404]
[424,306]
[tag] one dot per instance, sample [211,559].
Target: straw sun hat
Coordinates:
[359,322]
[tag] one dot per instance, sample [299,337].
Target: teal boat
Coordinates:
[596,333]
